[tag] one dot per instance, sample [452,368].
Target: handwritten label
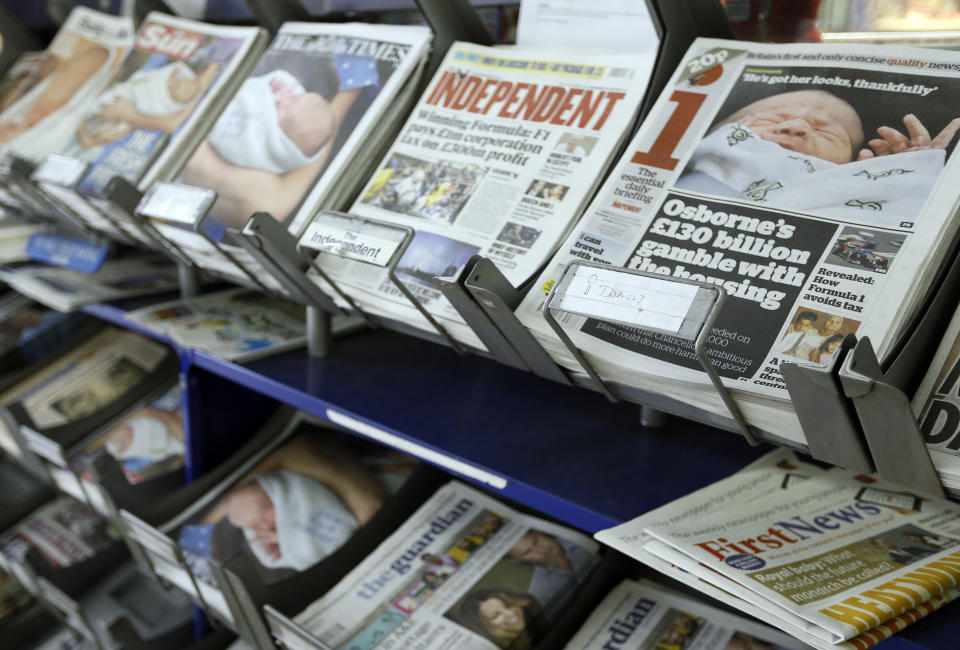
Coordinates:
[176,203]
[60,170]
[64,251]
[355,239]
[623,297]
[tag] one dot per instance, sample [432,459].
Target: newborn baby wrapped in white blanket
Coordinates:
[257,127]
[150,439]
[311,522]
[149,90]
[884,190]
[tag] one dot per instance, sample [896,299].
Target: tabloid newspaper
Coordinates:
[303,129]
[13,597]
[831,559]
[642,615]
[236,324]
[811,182]
[464,571]
[501,153]
[171,81]
[65,289]
[937,406]
[76,66]
[82,381]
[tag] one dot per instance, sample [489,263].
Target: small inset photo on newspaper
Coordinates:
[866,250]
[541,189]
[814,335]
[830,142]
[575,144]
[420,188]
[516,234]
[432,256]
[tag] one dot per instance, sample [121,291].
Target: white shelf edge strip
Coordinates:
[420,451]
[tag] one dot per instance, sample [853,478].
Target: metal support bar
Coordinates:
[319,332]
[827,417]
[189,280]
[402,288]
[652,418]
[282,627]
[896,444]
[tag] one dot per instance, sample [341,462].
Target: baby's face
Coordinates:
[182,87]
[306,118]
[811,122]
[121,436]
[248,506]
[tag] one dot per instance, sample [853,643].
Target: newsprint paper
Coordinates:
[501,153]
[644,615]
[826,556]
[465,571]
[813,183]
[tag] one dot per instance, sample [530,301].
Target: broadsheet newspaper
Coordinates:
[236,324]
[937,406]
[76,66]
[644,615]
[297,135]
[829,559]
[500,154]
[173,74]
[464,571]
[65,532]
[811,182]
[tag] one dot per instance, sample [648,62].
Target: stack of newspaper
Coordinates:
[937,406]
[826,556]
[463,571]
[303,131]
[640,615]
[236,324]
[504,149]
[814,184]
[51,94]
[158,105]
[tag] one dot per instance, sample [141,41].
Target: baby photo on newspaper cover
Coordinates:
[868,149]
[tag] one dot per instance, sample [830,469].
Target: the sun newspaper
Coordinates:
[501,153]
[463,571]
[833,559]
[813,183]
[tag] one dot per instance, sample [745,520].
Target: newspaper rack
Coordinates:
[68,610]
[290,635]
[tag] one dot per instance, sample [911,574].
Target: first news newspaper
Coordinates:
[827,556]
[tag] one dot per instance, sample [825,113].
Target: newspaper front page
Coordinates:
[75,67]
[502,151]
[464,571]
[642,615]
[812,183]
[839,554]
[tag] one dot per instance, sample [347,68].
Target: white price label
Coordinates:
[177,203]
[621,297]
[353,239]
[60,170]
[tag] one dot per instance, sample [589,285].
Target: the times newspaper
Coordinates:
[300,129]
[833,559]
[76,66]
[236,324]
[501,153]
[170,78]
[637,615]
[811,182]
[464,571]
[937,406]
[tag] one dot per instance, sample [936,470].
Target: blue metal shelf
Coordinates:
[563,451]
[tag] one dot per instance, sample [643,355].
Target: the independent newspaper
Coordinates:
[500,155]
[840,557]
[811,182]
[463,571]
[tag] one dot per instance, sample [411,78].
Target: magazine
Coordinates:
[147,442]
[463,571]
[22,320]
[79,383]
[236,324]
[812,233]
[504,148]
[299,134]
[66,289]
[824,560]
[177,75]
[65,531]
[642,615]
[75,67]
